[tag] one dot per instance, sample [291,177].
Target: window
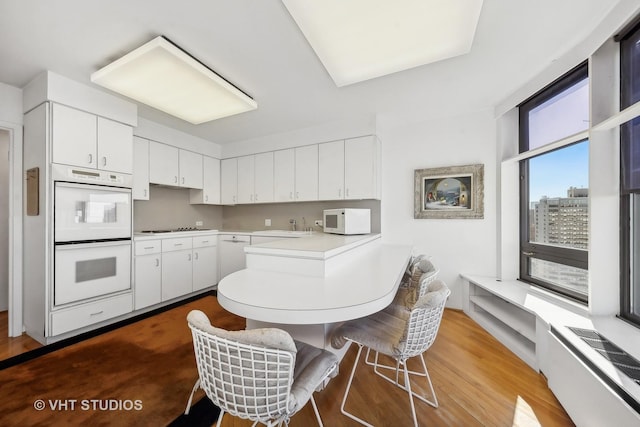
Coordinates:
[630,178]
[554,202]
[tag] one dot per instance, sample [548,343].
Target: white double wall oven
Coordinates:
[92,234]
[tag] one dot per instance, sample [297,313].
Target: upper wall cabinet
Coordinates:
[140,189]
[210,193]
[362,168]
[349,169]
[172,166]
[331,170]
[229,181]
[284,168]
[83,139]
[306,173]
[255,178]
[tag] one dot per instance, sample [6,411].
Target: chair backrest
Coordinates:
[246,380]
[424,320]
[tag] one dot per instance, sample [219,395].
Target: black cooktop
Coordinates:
[173,230]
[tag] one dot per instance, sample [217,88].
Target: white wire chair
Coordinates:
[262,375]
[401,337]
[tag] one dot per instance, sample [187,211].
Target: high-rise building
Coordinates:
[562,221]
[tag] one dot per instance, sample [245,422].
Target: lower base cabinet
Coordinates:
[177,274]
[147,280]
[170,268]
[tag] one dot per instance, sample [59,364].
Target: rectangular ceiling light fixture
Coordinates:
[162,75]
[357,40]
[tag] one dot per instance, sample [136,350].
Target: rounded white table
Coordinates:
[309,308]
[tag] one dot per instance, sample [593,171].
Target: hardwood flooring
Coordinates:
[477,380]
[13,346]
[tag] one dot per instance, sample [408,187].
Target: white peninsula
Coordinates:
[308,285]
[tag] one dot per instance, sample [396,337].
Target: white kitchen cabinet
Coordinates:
[147,284]
[246,173]
[255,178]
[210,193]
[115,146]
[331,170]
[263,177]
[140,190]
[177,267]
[163,164]
[85,140]
[190,168]
[229,181]
[73,137]
[232,256]
[205,262]
[169,165]
[362,168]
[306,173]
[284,175]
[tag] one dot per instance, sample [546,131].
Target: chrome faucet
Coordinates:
[293,224]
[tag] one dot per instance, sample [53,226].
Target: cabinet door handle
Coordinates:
[206,198]
[104,161]
[196,255]
[297,194]
[256,198]
[291,195]
[205,241]
[90,158]
[177,244]
[189,257]
[157,262]
[183,179]
[175,179]
[96,313]
[148,247]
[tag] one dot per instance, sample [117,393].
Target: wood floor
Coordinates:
[477,380]
[14,346]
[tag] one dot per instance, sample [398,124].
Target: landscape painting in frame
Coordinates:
[449,192]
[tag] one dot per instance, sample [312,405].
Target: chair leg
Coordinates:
[408,388]
[425,374]
[346,392]
[315,409]
[220,418]
[193,390]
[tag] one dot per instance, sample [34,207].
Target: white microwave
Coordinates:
[347,221]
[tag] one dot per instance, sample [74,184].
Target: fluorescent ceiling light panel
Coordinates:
[358,40]
[163,76]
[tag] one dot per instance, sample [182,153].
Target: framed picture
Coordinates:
[449,192]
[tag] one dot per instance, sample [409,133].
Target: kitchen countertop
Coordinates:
[315,246]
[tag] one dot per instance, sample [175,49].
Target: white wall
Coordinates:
[456,245]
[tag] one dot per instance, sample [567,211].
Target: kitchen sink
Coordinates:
[283,232]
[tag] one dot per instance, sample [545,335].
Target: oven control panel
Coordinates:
[90,176]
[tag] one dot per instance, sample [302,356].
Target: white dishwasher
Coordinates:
[232,257]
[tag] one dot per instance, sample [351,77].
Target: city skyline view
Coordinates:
[552,174]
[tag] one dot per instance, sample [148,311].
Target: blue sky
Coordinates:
[553,173]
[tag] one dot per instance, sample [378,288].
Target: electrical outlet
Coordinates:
[199,223]
[267,222]
[318,222]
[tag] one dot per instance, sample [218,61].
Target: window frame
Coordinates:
[567,256]
[626,241]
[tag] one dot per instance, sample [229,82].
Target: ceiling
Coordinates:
[256,45]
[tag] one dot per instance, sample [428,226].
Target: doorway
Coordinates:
[4,222]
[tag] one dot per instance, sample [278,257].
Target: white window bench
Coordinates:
[591,389]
